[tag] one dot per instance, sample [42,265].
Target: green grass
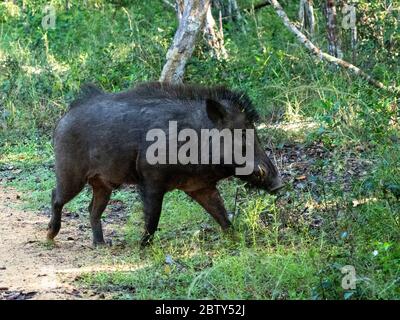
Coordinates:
[345,211]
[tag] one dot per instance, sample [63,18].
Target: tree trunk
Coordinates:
[306,16]
[235,10]
[316,51]
[214,36]
[184,41]
[180,6]
[223,6]
[333,39]
[302,14]
[349,22]
[354,44]
[236,15]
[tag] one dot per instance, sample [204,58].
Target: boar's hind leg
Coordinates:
[211,201]
[101,196]
[152,203]
[62,194]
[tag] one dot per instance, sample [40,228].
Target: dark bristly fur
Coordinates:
[178,91]
[87,91]
[195,92]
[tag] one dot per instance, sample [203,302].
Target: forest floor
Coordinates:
[32,269]
[301,238]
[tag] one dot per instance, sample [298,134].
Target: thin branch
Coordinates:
[318,52]
[169,4]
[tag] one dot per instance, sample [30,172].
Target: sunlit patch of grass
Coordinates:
[245,274]
[11,9]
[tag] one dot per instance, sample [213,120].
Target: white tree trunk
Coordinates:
[306,16]
[184,41]
[354,44]
[302,13]
[349,22]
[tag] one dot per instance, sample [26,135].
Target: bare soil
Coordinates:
[30,268]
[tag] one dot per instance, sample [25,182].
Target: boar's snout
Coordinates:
[271,179]
[266,176]
[276,186]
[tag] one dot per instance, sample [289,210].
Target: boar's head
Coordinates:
[235,111]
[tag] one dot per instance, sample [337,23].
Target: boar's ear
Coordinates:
[215,111]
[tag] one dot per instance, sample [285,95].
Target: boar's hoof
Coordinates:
[50,242]
[53,228]
[146,240]
[232,234]
[98,244]
[51,234]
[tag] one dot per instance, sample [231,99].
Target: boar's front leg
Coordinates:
[152,203]
[210,199]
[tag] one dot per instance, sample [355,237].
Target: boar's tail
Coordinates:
[88,91]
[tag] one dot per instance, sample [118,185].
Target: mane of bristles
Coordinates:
[199,93]
[87,91]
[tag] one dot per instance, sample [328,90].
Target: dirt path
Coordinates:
[30,269]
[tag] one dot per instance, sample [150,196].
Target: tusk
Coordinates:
[261,170]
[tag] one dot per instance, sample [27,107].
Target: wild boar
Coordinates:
[111,139]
